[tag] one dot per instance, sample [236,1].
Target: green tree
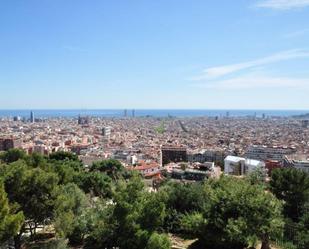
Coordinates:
[13,155]
[113,168]
[63,155]
[158,241]
[69,206]
[32,190]
[130,220]
[96,183]
[10,223]
[291,186]
[302,233]
[65,172]
[236,212]
[180,198]
[258,176]
[36,160]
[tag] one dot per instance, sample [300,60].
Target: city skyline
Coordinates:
[154,55]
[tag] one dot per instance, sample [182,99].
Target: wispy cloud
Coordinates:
[220,71]
[282,4]
[256,82]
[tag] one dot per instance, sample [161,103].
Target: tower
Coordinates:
[31,117]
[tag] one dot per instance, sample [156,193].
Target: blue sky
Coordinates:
[204,54]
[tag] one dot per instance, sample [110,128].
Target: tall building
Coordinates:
[133,113]
[106,131]
[173,154]
[125,113]
[31,117]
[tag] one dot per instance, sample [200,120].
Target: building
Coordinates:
[106,131]
[301,163]
[83,120]
[189,174]
[173,154]
[10,143]
[241,166]
[272,164]
[32,120]
[305,124]
[40,149]
[265,153]
[17,118]
[148,169]
[207,156]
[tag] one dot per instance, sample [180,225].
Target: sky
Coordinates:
[162,54]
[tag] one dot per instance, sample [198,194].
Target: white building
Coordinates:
[240,166]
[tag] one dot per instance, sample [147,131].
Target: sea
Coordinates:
[117,113]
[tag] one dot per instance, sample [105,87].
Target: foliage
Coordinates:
[69,206]
[10,223]
[12,155]
[97,183]
[180,198]
[158,241]
[161,128]
[302,233]
[36,160]
[235,212]
[63,155]
[131,220]
[51,244]
[258,176]
[111,167]
[32,190]
[291,186]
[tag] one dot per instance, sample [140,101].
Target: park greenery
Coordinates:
[55,202]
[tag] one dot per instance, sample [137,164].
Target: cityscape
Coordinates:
[154,124]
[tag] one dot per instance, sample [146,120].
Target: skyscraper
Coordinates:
[31,117]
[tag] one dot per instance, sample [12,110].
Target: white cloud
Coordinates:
[216,72]
[283,4]
[256,82]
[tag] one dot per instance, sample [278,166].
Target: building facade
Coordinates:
[173,154]
[265,153]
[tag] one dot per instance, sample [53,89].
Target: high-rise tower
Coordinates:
[31,117]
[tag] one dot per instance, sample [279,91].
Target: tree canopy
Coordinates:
[10,223]
[235,212]
[291,186]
